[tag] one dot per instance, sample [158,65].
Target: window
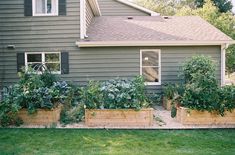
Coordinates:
[42,61]
[45,7]
[150,66]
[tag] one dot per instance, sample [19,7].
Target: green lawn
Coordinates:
[126,142]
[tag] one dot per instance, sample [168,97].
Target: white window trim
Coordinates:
[159,67]
[55,13]
[43,59]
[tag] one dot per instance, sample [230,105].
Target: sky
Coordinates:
[233,6]
[233,1]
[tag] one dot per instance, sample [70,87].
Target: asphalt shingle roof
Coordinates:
[153,28]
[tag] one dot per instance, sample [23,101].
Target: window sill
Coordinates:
[152,83]
[42,15]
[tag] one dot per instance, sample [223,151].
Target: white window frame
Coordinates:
[54,13]
[43,59]
[159,65]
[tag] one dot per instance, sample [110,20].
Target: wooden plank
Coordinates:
[119,117]
[42,117]
[194,117]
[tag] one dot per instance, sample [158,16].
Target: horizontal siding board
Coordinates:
[114,8]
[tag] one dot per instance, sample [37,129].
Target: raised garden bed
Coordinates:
[41,117]
[194,117]
[119,117]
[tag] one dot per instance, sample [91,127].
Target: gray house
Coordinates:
[86,40]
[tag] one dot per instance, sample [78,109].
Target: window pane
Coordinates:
[49,6]
[54,57]
[150,58]
[150,74]
[34,58]
[40,6]
[53,67]
[36,66]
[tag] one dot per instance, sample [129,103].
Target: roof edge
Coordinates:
[151,43]
[152,13]
[95,7]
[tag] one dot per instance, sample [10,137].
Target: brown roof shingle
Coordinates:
[153,28]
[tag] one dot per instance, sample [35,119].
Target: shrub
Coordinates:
[227,98]
[201,91]
[198,65]
[201,84]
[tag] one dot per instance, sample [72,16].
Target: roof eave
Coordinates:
[95,7]
[151,43]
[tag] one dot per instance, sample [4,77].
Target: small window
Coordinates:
[45,7]
[42,61]
[150,67]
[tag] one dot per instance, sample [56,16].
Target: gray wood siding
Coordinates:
[89,14]
[114,8]
[111,62]
[107,63]
[34,34]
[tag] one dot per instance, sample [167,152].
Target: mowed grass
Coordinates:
[124,142]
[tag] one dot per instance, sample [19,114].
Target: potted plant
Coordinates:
[117,103]
[169,92]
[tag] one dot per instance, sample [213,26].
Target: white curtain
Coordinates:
[40,6]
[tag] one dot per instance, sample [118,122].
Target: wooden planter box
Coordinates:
[119,117]
[41,117]
[167,104]
[194,117]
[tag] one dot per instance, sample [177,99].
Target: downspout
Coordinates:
[82,19]
[223,62]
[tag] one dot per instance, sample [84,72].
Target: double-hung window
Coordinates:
[42,61]
[150,66]
[45,7]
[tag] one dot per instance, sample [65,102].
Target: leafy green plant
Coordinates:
[48,79]
[201,91]
[33,91]
[173,111]
[199,65]
[9,108]
[169,91]
[124,93]
[91,95]
[201,84]
[74,114]
[227,98]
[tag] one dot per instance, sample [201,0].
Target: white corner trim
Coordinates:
[150,43]
[95,7]
[152,13]
[82,19]
[223,63]
[159,67]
